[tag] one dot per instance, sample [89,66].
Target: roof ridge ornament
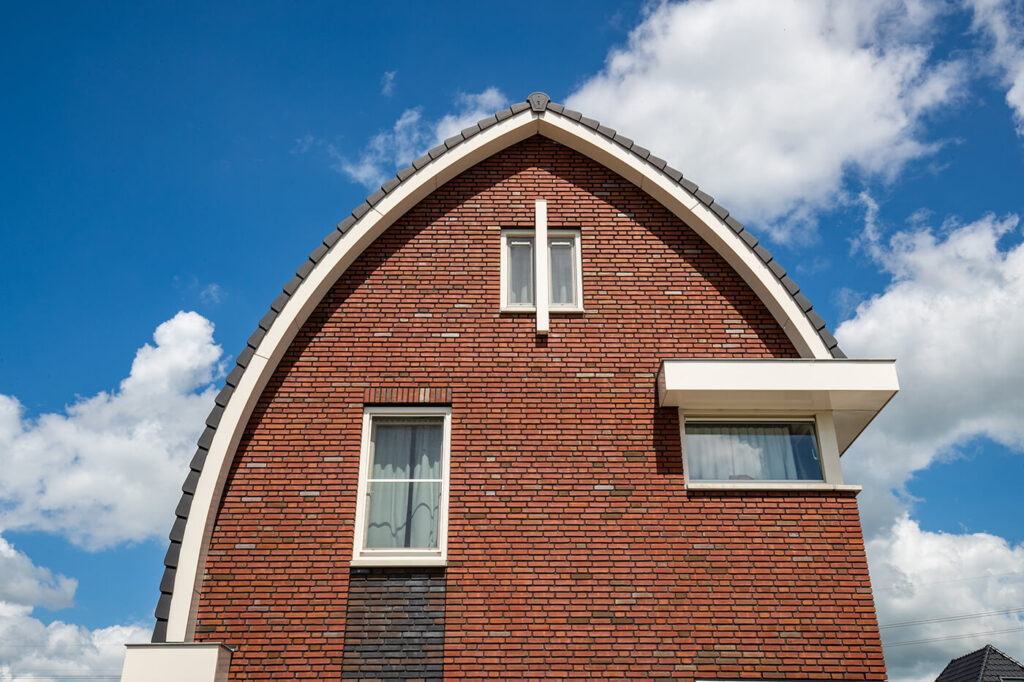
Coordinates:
[538,101]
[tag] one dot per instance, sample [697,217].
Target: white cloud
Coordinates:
[410,136]
[921,576]
[26,584]
[28,648]
[773,104]
[953,316]
[1002,21]
[212,294]
[387,83]
[108,468]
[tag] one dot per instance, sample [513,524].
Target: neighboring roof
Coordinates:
[537,102]
[987,664]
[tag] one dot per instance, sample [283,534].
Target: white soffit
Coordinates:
[855,391]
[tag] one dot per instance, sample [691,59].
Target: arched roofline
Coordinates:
[202,490]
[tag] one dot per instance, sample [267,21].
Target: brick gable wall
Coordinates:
[575,550]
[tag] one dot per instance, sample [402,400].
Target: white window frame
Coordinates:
[828,451]
[578,265]
[363,556]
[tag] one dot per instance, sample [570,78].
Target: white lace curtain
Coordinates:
[405,483]
[751,451]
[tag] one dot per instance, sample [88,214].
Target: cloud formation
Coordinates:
[953,316]
[1002,22]
[28,648]
[774,104]
[410,136]
[25,584]
[107,469]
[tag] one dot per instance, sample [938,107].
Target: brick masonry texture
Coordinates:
[575,550]
[395,624]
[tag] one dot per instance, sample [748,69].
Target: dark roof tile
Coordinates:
[777,269]
[361,210]
[167,581]
[213,419]
[184,505]
[451,142]
[173,551]
[278,303]
[487,122]
[347,223]
[519,106]
[391,184]
[268,319]
[224,395]
[292,285]
[331,238]
[375,198]
[304,269]
[234,376]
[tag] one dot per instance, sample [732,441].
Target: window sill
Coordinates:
[532,310]
[372,561]
[772,485]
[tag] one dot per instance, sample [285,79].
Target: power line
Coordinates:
[942,619]
[947,637]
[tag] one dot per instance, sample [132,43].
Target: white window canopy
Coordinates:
[854,391]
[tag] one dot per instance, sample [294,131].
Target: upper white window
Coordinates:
[402,510]
[519,277]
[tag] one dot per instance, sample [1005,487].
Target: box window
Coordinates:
[752,451]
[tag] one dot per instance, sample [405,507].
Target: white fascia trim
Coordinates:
[198,528]
[701,219]
[518,127]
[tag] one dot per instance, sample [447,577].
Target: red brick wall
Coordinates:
[575,550]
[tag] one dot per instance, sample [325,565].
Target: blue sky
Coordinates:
[187,158]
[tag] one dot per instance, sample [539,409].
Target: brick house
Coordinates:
[540,408]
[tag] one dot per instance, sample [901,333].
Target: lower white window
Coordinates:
[402,510]
[518,276]
[752,450]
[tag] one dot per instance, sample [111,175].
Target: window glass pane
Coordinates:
[758,451]
[406,447]
[403,514]
[563,280]
[520,271]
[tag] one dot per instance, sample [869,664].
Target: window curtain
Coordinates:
[405,484]
[520,271]
[761,452]
[563,289]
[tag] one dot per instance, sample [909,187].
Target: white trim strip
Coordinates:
[540,267]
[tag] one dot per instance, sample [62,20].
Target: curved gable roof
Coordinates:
[194,515]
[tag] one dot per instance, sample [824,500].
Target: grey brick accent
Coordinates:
[394,628]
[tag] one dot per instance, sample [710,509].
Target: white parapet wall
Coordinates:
[176,662]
